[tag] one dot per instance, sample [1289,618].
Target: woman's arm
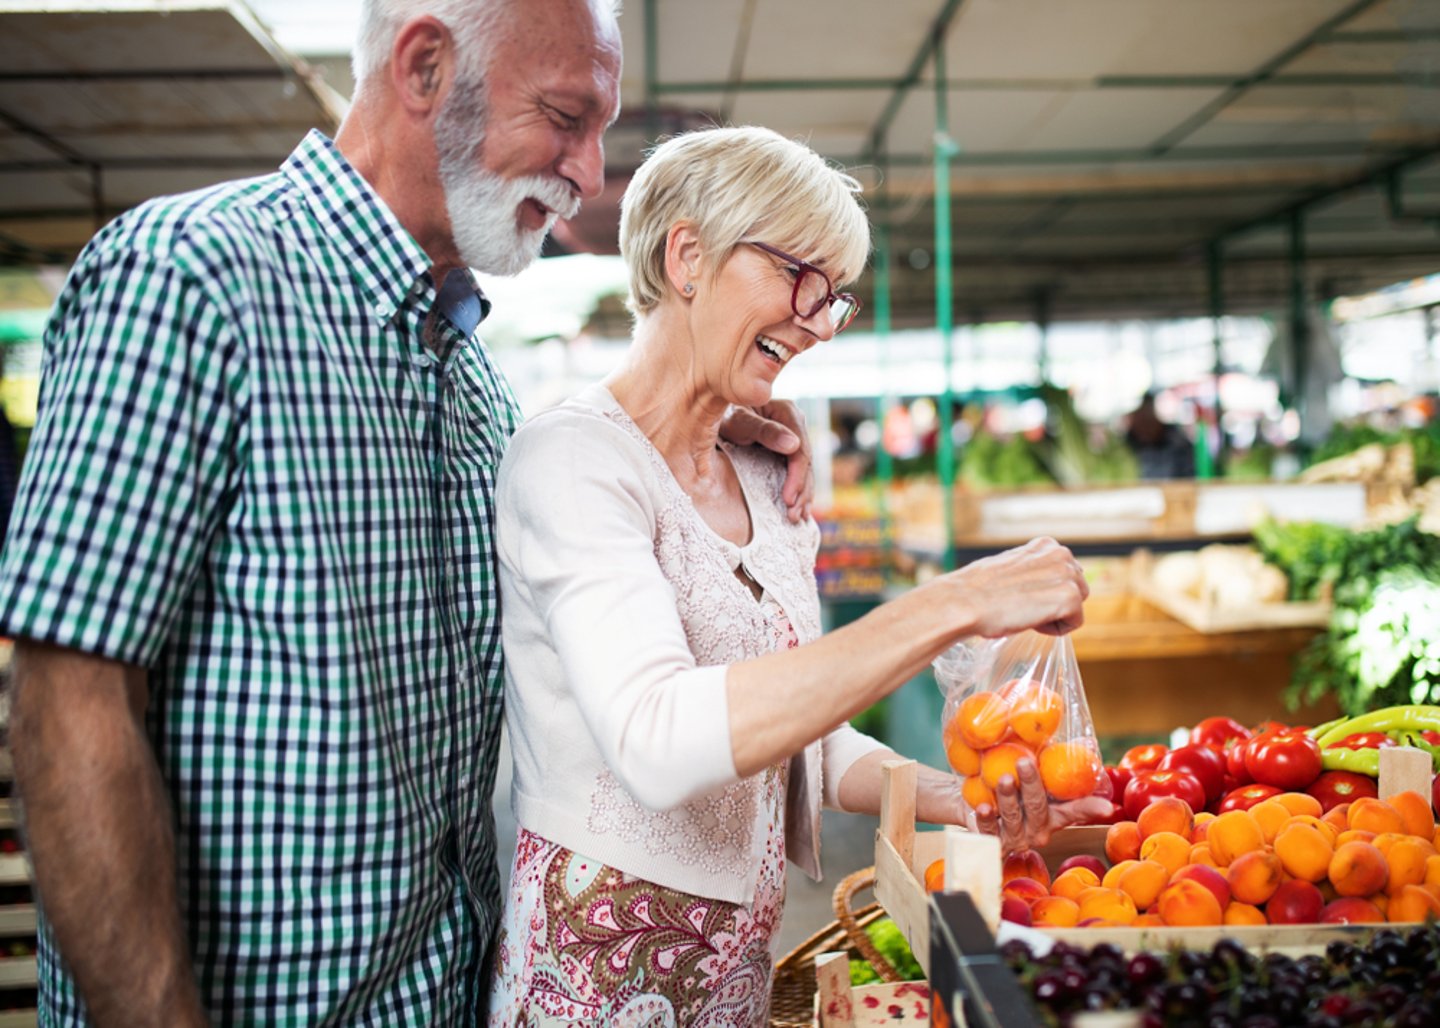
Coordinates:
[576,533]
[1038,585]
[1023,817]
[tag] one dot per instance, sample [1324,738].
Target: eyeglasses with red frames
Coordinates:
[813,291]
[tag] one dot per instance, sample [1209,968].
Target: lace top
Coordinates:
[621,611]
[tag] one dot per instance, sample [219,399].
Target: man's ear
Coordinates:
[422,63]
[683,257]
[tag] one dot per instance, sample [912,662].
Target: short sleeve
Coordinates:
[130,461]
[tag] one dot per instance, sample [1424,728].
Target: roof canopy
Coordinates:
[105,104]
[1101,150]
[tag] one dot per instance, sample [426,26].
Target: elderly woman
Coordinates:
[676,716]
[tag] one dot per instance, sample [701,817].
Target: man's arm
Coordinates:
[98,827]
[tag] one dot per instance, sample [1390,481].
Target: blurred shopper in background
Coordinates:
[1163,449]
[675,715]
[251,573]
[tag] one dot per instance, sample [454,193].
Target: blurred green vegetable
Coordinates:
[1082,454]
[1382,646]
[892,946]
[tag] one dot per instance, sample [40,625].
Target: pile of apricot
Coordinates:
[992,730]
[1283,861]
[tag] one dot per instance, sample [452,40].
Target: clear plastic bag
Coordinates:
[1013,697]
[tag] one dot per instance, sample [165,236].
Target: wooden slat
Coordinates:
[17,920]
[833,1005]
[897,806]
[1292,940]
[13,869]
[17,971]
[1404,768]
[903,898]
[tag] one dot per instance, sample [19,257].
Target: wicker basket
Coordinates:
[792,997]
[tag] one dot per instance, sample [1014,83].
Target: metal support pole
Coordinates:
[944,299]
[1432,346]
[1215,269]
[1042,322]
[884,466]
[1299,323]
[652,71]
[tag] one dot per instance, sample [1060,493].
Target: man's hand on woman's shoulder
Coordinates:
[778,426]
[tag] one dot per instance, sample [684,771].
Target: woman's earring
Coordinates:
[689,288]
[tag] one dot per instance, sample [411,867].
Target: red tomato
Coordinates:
[1235,761]
[1204,762]
[1431,736]
[1364,741]
[1143,758]
[1247,796]
[1336,787]
[1289,760]
[1150,785]
[1435,793]
[1216,732]
[1268,726]
[1119,778]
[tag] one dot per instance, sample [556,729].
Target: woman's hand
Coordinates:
[1025,818]
[1039,585]
[778,426]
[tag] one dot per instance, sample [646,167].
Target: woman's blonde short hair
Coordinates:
[739,185]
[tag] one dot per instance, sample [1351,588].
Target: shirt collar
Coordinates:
[463,302]
[380,255]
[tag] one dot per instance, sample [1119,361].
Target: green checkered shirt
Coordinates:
[252,476]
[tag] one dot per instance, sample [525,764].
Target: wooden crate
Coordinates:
[1209,617]
[972,863]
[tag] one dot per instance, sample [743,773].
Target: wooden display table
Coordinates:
[1146,673]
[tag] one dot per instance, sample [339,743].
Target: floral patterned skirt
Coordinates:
[585,944]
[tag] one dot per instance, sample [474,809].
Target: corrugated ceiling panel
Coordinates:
[836,40]
[121,40]
[1397,14]
[836,123]
[697,40]
[1278,114]
[1414,57]
[1061,39]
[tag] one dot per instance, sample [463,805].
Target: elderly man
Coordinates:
[251,567]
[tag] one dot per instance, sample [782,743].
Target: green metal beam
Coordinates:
[1367,178]
[1299,322]
[1243,85]
[944,300]
[1105,82]
[1273,151]
[1215,275]
[881,129]
[884,260]
[652,70]
[1416,35]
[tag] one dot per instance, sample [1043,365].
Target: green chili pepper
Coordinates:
[1412,739]
[1365,762]
[1319,730]
[1415,717]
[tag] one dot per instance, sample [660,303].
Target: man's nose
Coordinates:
[584,166]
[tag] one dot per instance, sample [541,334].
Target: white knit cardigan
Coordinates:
[620,612]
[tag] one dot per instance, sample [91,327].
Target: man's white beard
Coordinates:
[484,207]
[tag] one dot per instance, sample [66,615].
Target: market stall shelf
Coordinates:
[1210,613]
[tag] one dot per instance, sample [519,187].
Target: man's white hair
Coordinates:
[469,21]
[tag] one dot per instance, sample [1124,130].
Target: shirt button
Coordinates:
[382,311]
